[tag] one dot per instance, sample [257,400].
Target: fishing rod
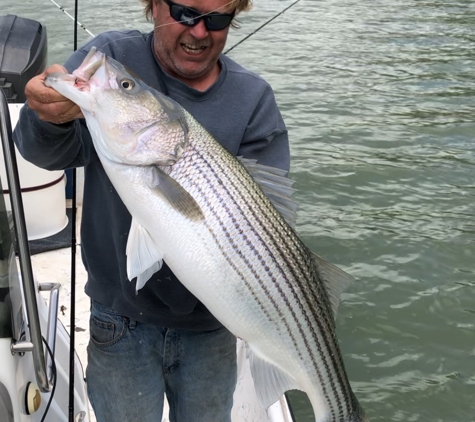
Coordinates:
[262,26]
[72,323]
[74,18]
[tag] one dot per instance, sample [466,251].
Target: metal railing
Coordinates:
[44,377]
[53,288]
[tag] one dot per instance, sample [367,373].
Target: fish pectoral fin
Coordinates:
[270,382]
[145,276]
[171,191]
[335,280]
[143,257]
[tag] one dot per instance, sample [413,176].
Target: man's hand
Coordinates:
[50,105]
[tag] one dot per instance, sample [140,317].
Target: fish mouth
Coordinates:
[97,69]
[90,64]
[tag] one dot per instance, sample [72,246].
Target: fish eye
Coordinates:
[127,84]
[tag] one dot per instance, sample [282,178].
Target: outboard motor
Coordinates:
[23,51]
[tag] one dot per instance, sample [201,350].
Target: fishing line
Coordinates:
[55,375]
[204,14]
[262,26]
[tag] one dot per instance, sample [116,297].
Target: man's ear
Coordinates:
[155,9]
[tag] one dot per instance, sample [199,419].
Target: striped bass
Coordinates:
[224,227]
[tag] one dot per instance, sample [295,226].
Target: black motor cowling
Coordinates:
[23,51]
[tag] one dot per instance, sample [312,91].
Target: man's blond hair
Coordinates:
[238,5]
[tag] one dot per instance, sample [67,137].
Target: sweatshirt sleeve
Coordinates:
[266,137]
[50,146]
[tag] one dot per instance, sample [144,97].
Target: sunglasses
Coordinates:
[190,17]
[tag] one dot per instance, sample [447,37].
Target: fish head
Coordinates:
[130,122]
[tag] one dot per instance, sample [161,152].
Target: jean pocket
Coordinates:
[107,329]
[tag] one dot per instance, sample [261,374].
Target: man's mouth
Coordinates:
[193,49]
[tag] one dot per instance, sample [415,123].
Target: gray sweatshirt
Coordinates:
[239,110]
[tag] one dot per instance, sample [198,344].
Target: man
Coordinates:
[162,340]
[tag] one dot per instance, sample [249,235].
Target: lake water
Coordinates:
[379,100]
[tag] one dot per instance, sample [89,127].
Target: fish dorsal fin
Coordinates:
[335,280]
[143,257]
[171,191]
[276,186]
[270,382]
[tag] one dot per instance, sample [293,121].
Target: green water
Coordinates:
[379,99]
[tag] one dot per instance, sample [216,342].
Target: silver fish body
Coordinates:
[198,207]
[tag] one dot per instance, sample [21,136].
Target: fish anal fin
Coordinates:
[270,382]
[143,257]
[335,279]
[172,192]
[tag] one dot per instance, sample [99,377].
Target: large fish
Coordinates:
[224,227]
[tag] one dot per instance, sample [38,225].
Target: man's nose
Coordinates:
[199,31]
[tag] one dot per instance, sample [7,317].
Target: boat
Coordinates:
[35,370]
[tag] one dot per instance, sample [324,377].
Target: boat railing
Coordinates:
[42,363]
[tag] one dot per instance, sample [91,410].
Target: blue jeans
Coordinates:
[131,365]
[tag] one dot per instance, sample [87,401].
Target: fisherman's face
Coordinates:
[189,53]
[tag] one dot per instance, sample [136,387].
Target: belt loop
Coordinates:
[132,323]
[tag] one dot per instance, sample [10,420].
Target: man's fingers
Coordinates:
[37,90]
[49,104]
[58,112]
[72,113]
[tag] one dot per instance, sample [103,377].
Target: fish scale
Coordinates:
[200,209]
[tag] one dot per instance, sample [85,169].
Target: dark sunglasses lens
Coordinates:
[218,22]
[184,15]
